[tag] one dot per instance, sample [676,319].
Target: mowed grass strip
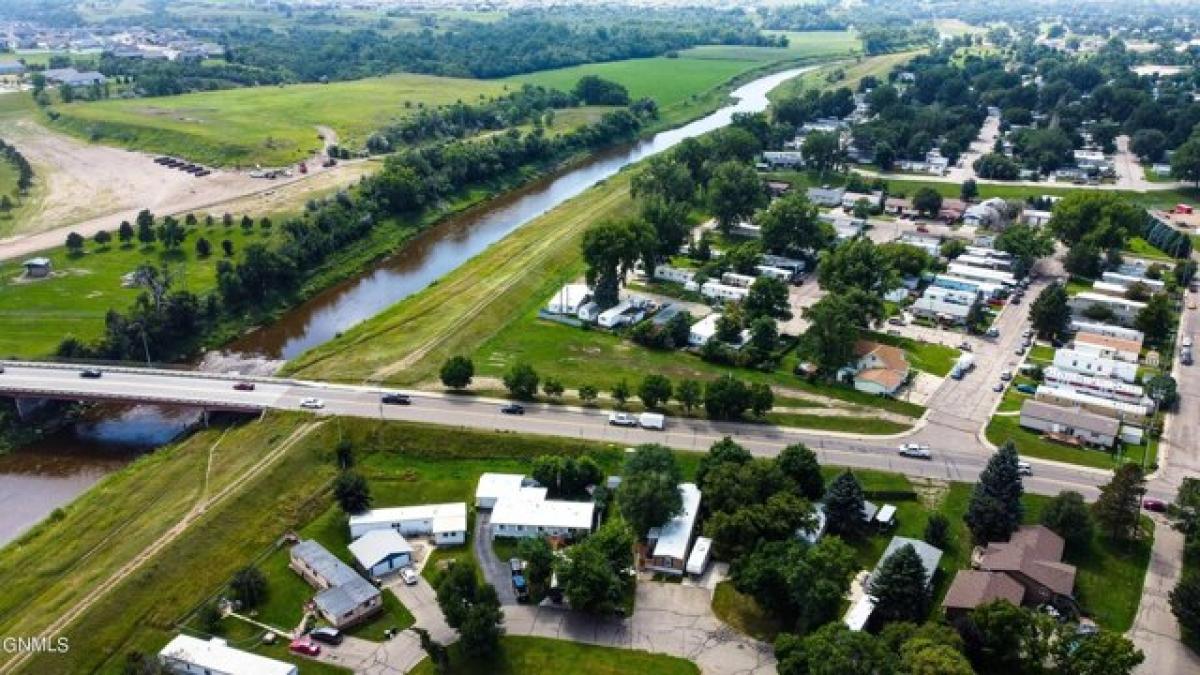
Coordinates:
[272,126]
[520,655]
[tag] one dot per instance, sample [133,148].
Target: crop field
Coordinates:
[680,85]
[264,125]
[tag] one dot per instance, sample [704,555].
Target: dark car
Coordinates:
[90,373]
[330,636]
[396,399]
[244,386]
[1155,505]
[513,409]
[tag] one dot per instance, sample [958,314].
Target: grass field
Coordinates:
[693,82]
[264,125]
[1008,427]
[843,75]
[520,655]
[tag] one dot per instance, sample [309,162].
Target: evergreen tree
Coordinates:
[900,587]
[995,510]
[457,372]
[937,530]
[249,587]
[1068,515]
[1118,508]
[1050,314]
[844,505]
[352,493]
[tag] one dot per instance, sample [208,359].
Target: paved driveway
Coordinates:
[495,570]
[673,619]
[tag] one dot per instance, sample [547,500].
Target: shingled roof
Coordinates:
[972,588]
[1036,552]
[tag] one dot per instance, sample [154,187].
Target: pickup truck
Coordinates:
[916,451]
[620,419]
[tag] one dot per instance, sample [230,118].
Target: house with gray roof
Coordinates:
[826,196]
[1070,424]
[343,597]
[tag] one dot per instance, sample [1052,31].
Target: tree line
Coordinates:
[10,154]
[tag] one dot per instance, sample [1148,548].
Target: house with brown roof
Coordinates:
[900,206]
[1033,558]
[972,588]
[878,368]
[1108,347]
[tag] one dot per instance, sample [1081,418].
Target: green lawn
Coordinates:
[1042,353]
[1005,428]
[743,613]
[927,357]
[38,313]
[523,655]
[693,82]
[1140,248]
[264,125]
[849,425]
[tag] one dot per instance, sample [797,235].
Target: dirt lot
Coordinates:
[93,187]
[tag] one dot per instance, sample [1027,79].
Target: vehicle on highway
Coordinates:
[1027,333]
[1024,469]
[408,575]
[330,636]
[305,646]
[1155,505]
[244,386]
[513,409]
[620,419]
[312,403]
[396,399]
[91,373]
[916,451]
[652,421]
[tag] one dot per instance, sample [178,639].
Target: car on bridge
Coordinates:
[312,403]
[244,386]
[395,399]
[91,373]
[916,451]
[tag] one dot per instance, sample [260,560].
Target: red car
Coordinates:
[244,386]
[305,646]
[1155,505]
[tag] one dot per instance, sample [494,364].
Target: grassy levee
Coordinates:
[267,125]
[406,343]
[54,566]
[519,655]
[877,66]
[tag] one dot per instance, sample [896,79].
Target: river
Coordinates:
[36,480]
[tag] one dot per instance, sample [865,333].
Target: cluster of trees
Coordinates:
[566,477]
[10,154]
[1185,597]
[472,608]
[1095,227]
[595,575]
[160,77]
[525,40]
[941,108]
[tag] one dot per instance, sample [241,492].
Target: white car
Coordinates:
[312,403]
[916,451]
[1024,469]
[620,419]
[409,575]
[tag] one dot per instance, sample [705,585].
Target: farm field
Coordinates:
[263,125]
[688,85]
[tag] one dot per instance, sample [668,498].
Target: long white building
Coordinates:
[1102,387]
[1108,329]
[1096,404]
[672,541]
[981,274]
[187,654]
[1124,310]
[1126,280]
[1078,362]
[446,523]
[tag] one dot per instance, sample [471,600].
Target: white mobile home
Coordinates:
[675,274]
[1109,288]
[739,280]
[777,273]
[528,513]
[1078,362]
[214,656]
[981,274]
[1085,427]
[1095,404]
[624,313]
[1108,347]
[569,299]
[1111,330]
[493,486]
[446,523]
[1124,311]
[703,330]
[984,262]
[718,291]
[1101,387]
[698,559]
[670,543]
[1126,281]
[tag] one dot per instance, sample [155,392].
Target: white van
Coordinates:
[651,421]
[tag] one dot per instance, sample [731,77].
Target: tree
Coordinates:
[726,398]
[922,657]
[833,649]
[1185,161]
[1083,259]
[457,372]
[75,243]
[1148,144]
[553,388]
[996,166]
[593,576]
[655,389]
[102,237]
[227,247]
[885,156]
[539,560]
[472,608]
[1007,638]
[1164,390]
[620,393]
[145,227]
[521,381]
[790,226]
[905,259]
[203,248]
[1104,217]
[900,587]
[969,190]
[995,509]
[1185,603]
[649,493]
[1026,244]
[927,201]
[351,492]
[610,250]
[679,329]
[688,393]
[248,587]
[734,192]
[1050,313]
[1102,653]
[952,248]
[594,90]
[800,464]
[822,151]
[767,297]
[345,454]
[762,399]
[1068,515]
[844,505]
[171,233]
[1117,509]
[438,654]
[1156,319]
[125,232]
[858,263]
[588,393]
[829,340]
[937,530]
